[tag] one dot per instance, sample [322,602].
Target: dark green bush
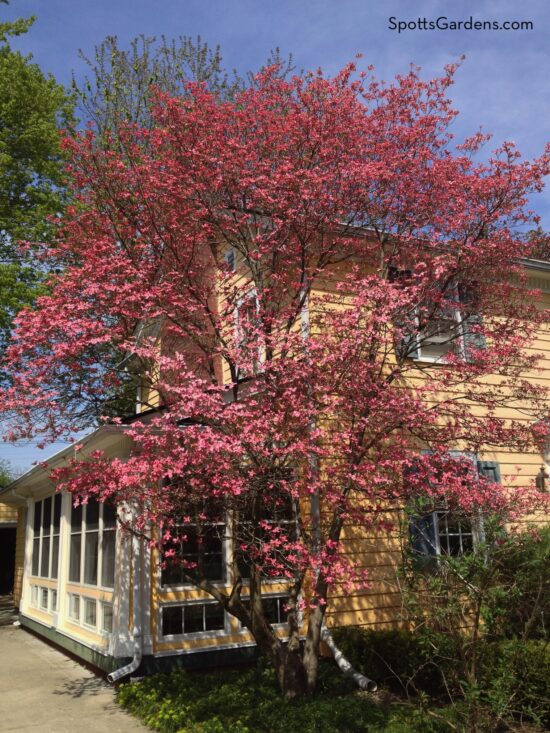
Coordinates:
[513,680]
[400,661]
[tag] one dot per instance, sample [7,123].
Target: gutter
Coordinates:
[137,613]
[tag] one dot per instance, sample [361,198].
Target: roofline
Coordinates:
[58,457]
[542,265]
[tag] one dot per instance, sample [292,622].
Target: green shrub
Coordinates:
[249,702]
[400,661]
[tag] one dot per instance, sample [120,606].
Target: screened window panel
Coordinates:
[46,515]
[45,557]
[56,513]
[37,523]
[55,556]
[75,556]
[92,515]
[108,547]
[35,555]
[91,558]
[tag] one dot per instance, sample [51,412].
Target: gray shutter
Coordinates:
[423,535]
[472,339]
[489,470]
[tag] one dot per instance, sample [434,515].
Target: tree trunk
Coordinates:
[291,674]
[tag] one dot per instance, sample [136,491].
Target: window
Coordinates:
[441,532]
[44,599]
[248,335]
[199,549]
[74,607]
[45,547]
[90,611]
[274,608]
[92,544]
[193,618]
[279,511]
[429,332]
[107,617]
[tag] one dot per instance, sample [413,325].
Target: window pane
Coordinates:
[35,555]
[92,515]
[44,598]
[172,620]
[55,556]
[193,620]
[109,515]
[213,617]
[47,515]
[74,565]
[89,611]
[172,574]
[37,517]
[74,607]
[108,558]
[56,513]
[45,558]
[107,620]
[53,600]
[76,518]
[90,558]
[270,609]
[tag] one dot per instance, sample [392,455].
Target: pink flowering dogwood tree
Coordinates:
[320,294]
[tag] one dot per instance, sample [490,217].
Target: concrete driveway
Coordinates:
[43,690]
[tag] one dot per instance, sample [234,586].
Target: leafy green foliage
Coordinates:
[249,701]
[480,639]
[33,108]
[6,473]
[122,81]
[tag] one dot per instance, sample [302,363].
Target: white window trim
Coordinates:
[278,626]
[213,634]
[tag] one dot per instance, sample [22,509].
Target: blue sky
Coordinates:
[503,85]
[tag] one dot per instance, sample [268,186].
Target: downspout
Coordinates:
[364,683]
[137,614]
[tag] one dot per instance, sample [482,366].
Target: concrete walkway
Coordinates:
[43,690]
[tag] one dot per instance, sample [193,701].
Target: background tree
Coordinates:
[123,82]
[288,252]
[33,108]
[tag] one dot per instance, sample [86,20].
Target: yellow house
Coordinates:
[101,593]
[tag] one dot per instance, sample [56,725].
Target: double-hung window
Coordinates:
[439,531]
[278,521]
[447,321]
[197,549]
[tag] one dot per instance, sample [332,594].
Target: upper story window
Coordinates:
[448,324]
[92,545]
[247,335]
[46,528]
